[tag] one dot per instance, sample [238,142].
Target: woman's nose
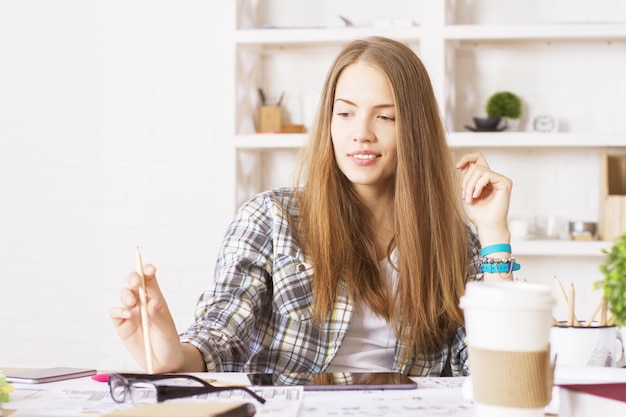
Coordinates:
[363,132]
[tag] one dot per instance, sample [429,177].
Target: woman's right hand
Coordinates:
[167,351]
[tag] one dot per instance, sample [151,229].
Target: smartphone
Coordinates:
[336,381]
[38,376]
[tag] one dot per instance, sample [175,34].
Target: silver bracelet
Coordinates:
[486,260]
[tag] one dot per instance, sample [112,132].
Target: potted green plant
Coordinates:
[504,104]
[614,284]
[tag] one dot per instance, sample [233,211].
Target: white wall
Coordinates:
[108,141]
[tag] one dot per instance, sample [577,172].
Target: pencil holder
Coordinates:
[269,119]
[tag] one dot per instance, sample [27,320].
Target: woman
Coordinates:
[361,268]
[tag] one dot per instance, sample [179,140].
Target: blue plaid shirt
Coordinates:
[257,316]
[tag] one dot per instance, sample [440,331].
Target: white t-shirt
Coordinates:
[370,342]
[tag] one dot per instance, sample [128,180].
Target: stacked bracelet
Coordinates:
[493,265]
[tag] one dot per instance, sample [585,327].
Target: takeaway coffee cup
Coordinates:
[587,346]
[508,336]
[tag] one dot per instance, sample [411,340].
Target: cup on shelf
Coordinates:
[547,227]
[508,337]
[579,230]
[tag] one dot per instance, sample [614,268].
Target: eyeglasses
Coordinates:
[141,388]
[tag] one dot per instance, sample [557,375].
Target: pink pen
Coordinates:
[101,377]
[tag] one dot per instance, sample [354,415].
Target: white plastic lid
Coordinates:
[509,295]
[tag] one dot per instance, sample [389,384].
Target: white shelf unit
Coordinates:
[571,70]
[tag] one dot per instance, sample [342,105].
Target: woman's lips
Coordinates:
[364,157]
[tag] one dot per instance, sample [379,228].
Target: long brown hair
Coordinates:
[430,232]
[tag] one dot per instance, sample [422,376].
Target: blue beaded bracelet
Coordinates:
[498,247]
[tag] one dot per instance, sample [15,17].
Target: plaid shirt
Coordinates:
[257,317]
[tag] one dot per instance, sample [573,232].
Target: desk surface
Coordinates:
[433,397]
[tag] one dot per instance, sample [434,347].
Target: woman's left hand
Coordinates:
[486,196]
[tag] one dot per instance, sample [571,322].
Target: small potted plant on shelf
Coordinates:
[505,104]
[614,283]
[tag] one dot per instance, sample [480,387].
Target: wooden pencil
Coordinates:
[604,313]
[145,321]
[571,307]
[593,315]
[566,302]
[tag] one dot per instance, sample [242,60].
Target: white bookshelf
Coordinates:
[470,53]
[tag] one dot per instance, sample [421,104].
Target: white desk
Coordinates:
[78,397]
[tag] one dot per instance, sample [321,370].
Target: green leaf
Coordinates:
[614,284]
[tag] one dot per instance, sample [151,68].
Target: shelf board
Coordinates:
[547,32]
[271,141]
[560,247]
[461,140]
[338,35]
[560,31]
[536,140]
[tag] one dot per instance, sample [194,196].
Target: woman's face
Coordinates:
[363,127]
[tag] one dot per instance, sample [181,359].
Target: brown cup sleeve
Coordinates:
[511,379]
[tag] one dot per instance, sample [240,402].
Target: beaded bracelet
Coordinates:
[501,265]
[498,247]
[487,260]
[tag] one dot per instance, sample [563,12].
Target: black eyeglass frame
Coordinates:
[170,392]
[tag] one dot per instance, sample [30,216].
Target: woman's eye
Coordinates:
[387,118]
[343,114]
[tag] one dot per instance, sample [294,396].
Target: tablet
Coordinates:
[336,381]
[37,376]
